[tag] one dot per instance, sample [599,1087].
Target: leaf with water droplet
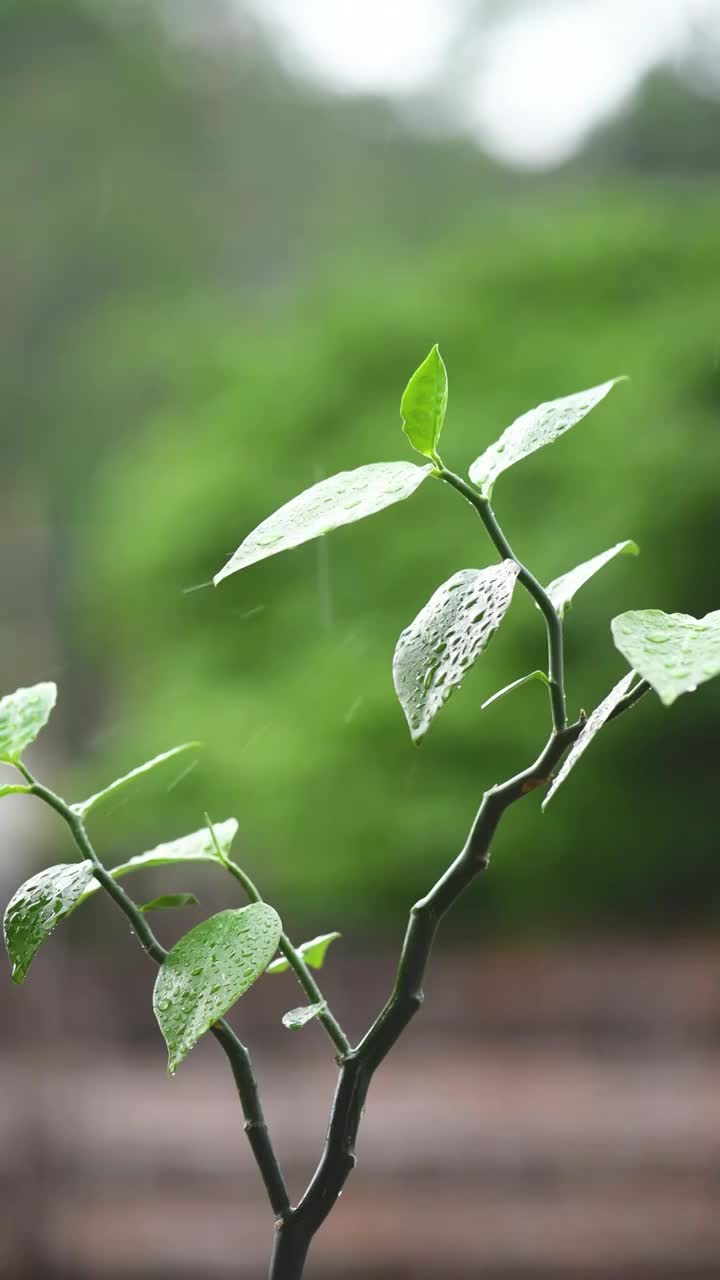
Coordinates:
[674,652]
[592,726]
[434,653]
[340,500]
[312,952]
[83,807]
[22,715]
[196,847]
[294,1019]
[191,992]
[561,590]
[40,904]
[170,901]
[424,403]
[531,431]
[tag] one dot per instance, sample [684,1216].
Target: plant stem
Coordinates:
[291,954]
[235,1051]
[553,623]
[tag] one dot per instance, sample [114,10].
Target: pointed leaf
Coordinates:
[208,970]
[14,790]
[434,653]
[561,590]
[38,906]
[534,675]
[22,715]
[592,725]
[424,403]
[674,652]
[342,499]
[539,427]
[170,901]
[312,952]
[83,807]
[294,1019]
[197,847]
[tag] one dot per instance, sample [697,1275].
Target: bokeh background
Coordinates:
[229,231]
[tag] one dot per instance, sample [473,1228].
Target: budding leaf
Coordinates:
[169,902]
[434,653]
[593,724]
[22,715]
[561,590]
[342,499]
[424,403]
[312,952]
[197,847]
[533,675]
[40,904]
[83,807]
[674,652]
[294,1019]
[534,429]
[208,970]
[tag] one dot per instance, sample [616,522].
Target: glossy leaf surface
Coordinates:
[435,652]
[40,904]
[674,652]
[342,499]
[312,952]
[196,847]
[561,590]
[83,807]
[592,726]
[22,715]
[294,1019]
[424,403]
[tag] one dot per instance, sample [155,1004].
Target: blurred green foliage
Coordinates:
[268,295]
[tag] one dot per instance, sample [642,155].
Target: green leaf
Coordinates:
[83,807]
[208,970]
[294,1019]
[38,906]
[534,675]
[22,715]
[592,725]
[434,653]
[674,652]
[539,427]
[342,499]
[424,403]
[561,590]
[312,952]
[169,901]
[197,847]
[14,790]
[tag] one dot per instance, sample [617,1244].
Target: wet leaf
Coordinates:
[294,1019]
[424,403]
[197,847]
[22,715]
[674,652]
[312,952]
[40,904]
[561,590]
[208,970]
[435,652]
[592,726]
[532,431]
[342,499]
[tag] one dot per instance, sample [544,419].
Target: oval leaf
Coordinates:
[312,952]
[294,1019]
[170,901]
[208,970]
[83,807]
[534,429]
[435,651]
[674,652]
[594,723]
[342,499]
[38,906]
[561,590]
[22,715]
[424,403]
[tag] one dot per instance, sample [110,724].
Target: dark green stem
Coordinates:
[291,954]
[235,1051]
[553,623]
